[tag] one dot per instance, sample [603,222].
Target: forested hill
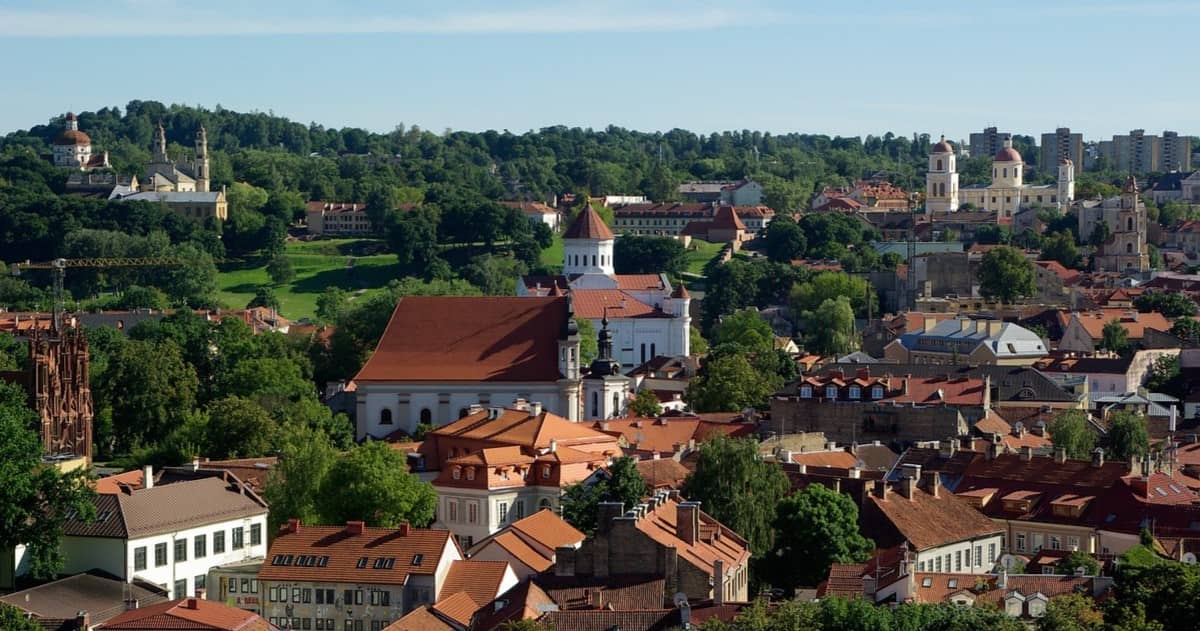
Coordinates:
[275,153]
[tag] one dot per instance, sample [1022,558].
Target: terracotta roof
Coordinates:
[520,550]
[335,553]
[445,338]
[942,389]
[662,435]
[680,291]
[726,219]
[635,282]
[1007,154]
[421,619]
[519,427]
[662,473]
[623,593]
[113,483]
[944,585]
[479,581]
[459,607]
[71,137]
[525,601]
[661,522]
[836,458]
[548,529]
[589,225]
[191,614]
[168,508]
[600,620]
[1068,276]
[1134,323]
[532,208]
[942,147]
[590,304]
[252,471]
[845,580]
[927,522]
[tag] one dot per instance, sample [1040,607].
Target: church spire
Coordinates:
[160,144]
[200,167]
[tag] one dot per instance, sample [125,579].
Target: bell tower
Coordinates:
[605,389]
[200,167]
[941,181]
[160,146]
[1066,182]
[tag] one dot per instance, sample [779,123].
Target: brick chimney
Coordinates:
[403,528]
[718,582]
[148,477]
[1060,455]
[881,489]
[1027,453]
[1140,486]
[292,526]
[933,482]
[191,603]
[908,487]
[606,512]
[354,528]
[83,620]
[687,518]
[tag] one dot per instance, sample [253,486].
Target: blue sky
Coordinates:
[849,67]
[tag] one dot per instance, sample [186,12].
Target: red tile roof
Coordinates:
[663,473]
[421,619]
[591,303]
[1134,323]
[726,219]
[635,282]
[478,581]
[589,225]
[190,614]
[715,541]
[927,522]
[444,338]
[547,529]
[336,552]
[840,459]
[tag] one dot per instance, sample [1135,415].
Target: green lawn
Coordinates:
[553,256]
[350,264]
[700,253]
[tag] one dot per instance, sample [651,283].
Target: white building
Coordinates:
[537,212]
[941,182]
[647,316]
[1007,193]
[170,533]
[337,218]
[73,148]
[441,355]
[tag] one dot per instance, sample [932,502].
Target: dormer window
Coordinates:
[855,392]
[546,472]
[830,392]
[471,473]
[877,392]
[456,473]
[805,392]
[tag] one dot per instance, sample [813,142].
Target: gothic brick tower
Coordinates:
[59,391]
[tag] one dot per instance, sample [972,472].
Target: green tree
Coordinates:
[745,330]
[1006,275]
[739,489]
[1100,234]
[293,487]
[729,383]
[828,286]
[623,484]
[815,528]
[372,484]
[1166,376]
[239,428]
[785,240]
[35,499]
[830,328]
[330,304]
[146,388]
[264,296]
[1114,337]
[1070,430]
[589,345]
[13,619]
[1071,612]
[1127,436]
[1061,247]
[280,270]
[698,344]
[1186,329]
[633,254]
[1078,559]
[646,404]
[1172,304]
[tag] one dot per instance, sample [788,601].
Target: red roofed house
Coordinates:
[667,537]
[353,573]
[194,614]
[528,545]
[648,316]
[440,355]
[538,212]
[1083,330]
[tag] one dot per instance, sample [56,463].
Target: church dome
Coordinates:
[1007,154]
[72,137]
[943,147]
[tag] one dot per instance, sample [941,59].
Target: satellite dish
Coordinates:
[680,599]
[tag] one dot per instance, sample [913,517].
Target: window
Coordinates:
[255,534]
[306,595]
[320,623]
[139,558]
[470,473]
[1055,544]
[1037,541]
[502,510]
[160,554]
[473,512]
[1129,248]
[200,546]
[417,559]
[426,416]
[519,509]
[991,552]
[877,392]
[978,555]
[200,581]
[219,542]
[358,597]
[349,625]
[238,534]
[545,471]
[595,404]
[937,564]
[1020,545]
[451,510]
[320,601]
[180,588]
[830,392]
[855,392]
[1072,543]
[348,596]
[456,473]
[385,416]
[939,165]
[283,594]
[805,392]
[362,562]
[958,561]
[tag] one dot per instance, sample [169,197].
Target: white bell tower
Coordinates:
[941,181]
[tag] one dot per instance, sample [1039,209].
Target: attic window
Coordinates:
[805,392]
[383,563]
[1160,491]
[417,559]
[471,473]
[953,584]
[927,582]
[545,471]
[362,562]
[323,561]
[456,473]
[830,392]
[877,392]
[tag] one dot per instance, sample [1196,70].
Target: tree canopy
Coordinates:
[1006,275]
[815,528]
[739,489]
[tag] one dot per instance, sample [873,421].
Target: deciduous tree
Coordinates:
[815,528]
[645,403]
[1006,275]
[1127,436]
[1069,430]
[739,489]
[830,328]
[372,484]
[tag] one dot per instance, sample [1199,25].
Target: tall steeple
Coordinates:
[200,167]
[605,389]
[160,145]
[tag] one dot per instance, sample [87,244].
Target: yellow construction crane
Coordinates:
[59,269]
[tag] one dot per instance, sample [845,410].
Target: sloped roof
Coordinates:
[452,338]
[589,225]
[603,620]
[190,614]
[660,524]
[1134,323]
[459,607]
[102,596]
[167,508]
[480,580]
[342,551]
[625,592]
[927,522]
[662,473]
[548,529]
[591,304]
[519,427]
[421,619]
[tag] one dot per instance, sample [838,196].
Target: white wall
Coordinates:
[488,503]
[373,398]
[949,553]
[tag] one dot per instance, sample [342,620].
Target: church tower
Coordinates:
[200,167]
[588,245]
[941,182]
[678,306]
[160,146]
[1066,182]
[605,389]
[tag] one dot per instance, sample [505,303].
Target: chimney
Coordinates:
[292,526]
[908,487]
[830,445]
[1098,457]
[1002,583]
[1060,455]
[495,413]
[191,604]
[964,324]
[553,445]
[933,482]
[564,561]
[606,512]
[595,599]
[354,528]
[83,621]
[930,322]
[881,489]
[947,448]
[993,327]
[1027,453]
[718,582]
[1140,486]
[687,518]
[148,477]
[201,593]
[854,473]
[403,529]
[195,463]
[910,470]
[131,604]
[535,408]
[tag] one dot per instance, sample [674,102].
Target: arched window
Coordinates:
[1129,224]
[544,503]
[939,164]
[1005,171]
[616,408]
[385,416]
[426,415]
[1129,248]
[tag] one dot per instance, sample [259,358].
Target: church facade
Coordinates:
[1124,220]
[57,385]
[73,148]
[1006,194]
[182,186]
[646,315]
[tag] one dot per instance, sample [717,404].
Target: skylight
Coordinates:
[418,558]
[926,582]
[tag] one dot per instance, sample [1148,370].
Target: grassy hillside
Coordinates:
[355,265]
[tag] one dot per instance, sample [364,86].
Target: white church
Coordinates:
[647,317]
[1005,196]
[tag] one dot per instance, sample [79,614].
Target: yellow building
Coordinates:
[1008,193]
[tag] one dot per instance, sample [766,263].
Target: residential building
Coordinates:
[672,218]
[1054,282]
[171,533]
[1107,375]
[1189,188]
[1139,152]
[941,180]
[862,406]
[353,576]
[670,437]
[648,317]
[528,545]
[236,585]
[538,212]
[439,355]
[941,532]
[965,341]
[1061,145]
[74,603]
[695,554]
[1185,236]
[1167,187]
[1007,194]
[1083,331]
[867,195]
[337,218]
[73,148]
[725,227]
[496,466]
[988,142]
[1125,249]
[734,192]
[187,613]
